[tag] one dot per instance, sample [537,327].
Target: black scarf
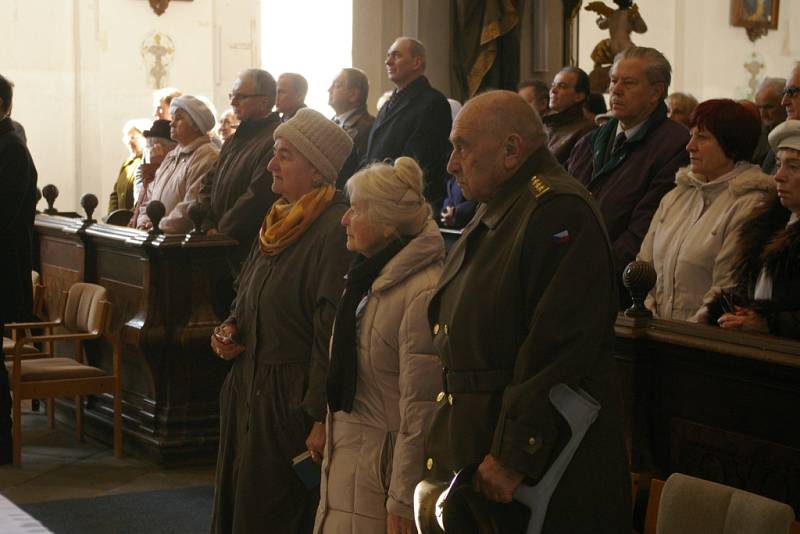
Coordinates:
[341,383]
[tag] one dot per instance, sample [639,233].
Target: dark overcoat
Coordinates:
[17,210]
[526,301]
[565,129]
[275,390]
[239,188]
[358,126]
[416,124]
[629,184]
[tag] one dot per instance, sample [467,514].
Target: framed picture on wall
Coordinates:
[756,16]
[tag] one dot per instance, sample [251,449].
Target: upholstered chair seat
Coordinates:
[85,316]
[689,505]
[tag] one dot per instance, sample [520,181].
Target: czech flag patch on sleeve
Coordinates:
[561,237]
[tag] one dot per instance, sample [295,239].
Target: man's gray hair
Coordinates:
[263,82]
[298,81]
[357,79]
[684,99]
[776,84]
[657,69]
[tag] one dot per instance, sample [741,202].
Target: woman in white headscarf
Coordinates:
[177,180]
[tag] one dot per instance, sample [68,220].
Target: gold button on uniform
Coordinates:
[450,399]
[429,464]
[436,329]
[446,330]
[531,441]
[440,396]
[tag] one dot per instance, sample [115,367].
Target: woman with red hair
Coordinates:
[692,239]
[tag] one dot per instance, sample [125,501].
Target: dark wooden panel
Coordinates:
[715,404]
[739,460]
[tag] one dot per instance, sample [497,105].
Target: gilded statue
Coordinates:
[620,23]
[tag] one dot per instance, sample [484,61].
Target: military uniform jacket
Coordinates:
[526,301]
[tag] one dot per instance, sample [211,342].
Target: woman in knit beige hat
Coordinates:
[273,401]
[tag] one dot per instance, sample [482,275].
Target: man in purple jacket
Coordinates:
[630,162]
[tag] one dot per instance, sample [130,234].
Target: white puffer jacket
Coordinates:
[693,237]
[374,454]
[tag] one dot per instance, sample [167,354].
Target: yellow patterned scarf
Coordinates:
[285,222]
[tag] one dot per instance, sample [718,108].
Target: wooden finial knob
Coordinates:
[639,277]
[89,203]
[197,213]
[50,194]
[155,211]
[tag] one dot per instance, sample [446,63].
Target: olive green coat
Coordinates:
[275,390]
[526,301]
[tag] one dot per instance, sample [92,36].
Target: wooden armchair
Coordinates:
[38,305]
[85,315]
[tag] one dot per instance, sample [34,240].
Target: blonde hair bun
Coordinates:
[394,194]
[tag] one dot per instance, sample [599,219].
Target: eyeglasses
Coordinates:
[791,92]
[242,96]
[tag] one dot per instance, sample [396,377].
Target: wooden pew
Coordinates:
[163,290]
[714,404]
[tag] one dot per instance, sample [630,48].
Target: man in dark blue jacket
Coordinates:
[415,121]
[630,162]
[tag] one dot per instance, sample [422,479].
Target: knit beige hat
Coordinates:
[325,144]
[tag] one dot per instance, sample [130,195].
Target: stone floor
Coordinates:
[56,466]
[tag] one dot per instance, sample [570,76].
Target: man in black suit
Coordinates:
[17,210]
[415,121]
[347,96]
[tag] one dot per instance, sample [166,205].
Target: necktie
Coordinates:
[619,141]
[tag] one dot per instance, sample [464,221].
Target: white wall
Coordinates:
[79,76]
[79,72]
[707,53]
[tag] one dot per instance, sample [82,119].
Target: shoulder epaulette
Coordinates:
[538,187]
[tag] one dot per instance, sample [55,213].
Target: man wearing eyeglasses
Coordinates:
[790,101]
[239,188]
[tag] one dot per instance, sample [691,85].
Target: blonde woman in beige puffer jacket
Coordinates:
[384,374]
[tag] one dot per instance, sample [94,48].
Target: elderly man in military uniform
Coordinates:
[526,301]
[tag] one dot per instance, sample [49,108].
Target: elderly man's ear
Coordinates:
[512,151]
